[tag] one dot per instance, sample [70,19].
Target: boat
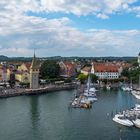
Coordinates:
[121,119]
[126,88]
[108,87]
[89,92]
[136,122]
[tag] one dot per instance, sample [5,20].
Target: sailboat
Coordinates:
[89,92]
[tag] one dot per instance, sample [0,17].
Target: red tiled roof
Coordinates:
[69,64]
[28,65]
[101,67]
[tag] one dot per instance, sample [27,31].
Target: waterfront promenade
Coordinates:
[11,92]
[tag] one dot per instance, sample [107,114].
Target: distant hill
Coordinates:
[3,58]
[26,59]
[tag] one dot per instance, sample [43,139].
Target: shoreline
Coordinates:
[38,91]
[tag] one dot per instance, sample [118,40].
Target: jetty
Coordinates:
[42,90]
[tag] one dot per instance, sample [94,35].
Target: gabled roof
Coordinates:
[101,67]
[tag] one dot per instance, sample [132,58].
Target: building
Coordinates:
[34,74]
[22,76]
[3,74]
[86,70]
[67,69]
[105,70]
[139,59]
[23,73]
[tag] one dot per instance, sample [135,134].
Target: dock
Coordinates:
[44,90]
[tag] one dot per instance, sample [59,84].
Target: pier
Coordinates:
[42,90]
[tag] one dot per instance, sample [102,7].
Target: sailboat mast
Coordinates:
[139,81]
[88,82]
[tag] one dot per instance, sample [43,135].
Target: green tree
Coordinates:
[49,69]
[125,73]
[82,77]
[94,78]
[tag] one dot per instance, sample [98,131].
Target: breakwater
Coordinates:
[44,90]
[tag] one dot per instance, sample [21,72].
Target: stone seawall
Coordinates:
[39,91]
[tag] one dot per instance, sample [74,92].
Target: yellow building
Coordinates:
[22,77]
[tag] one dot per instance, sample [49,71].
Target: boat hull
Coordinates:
[136,123]
[125,122]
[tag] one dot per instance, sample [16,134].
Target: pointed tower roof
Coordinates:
[139,54]
[34,64]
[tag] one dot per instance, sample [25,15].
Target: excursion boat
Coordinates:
[121,119]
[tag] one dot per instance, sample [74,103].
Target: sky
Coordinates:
[88,28]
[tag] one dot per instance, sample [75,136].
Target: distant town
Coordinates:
[21,72]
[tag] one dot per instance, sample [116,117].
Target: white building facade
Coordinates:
[105,71]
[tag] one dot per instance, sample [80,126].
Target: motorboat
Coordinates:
[125,88]
[121,119]
[75,102]
[85,101]
[108,87]
[89,94]
[136,122]
[136,93]
[137,107]
[92,99]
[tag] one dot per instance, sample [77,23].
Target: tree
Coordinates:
[125,73]
[49,69]
[94,78]
[82,78]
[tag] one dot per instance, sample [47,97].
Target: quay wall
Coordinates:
[39,91]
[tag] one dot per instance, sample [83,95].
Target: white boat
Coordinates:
[125,88]
[89,94]
[75,102]
[85,101]
[108,87]
[136,93]
[121,119]
[136,123]
[92,99]
[137,107]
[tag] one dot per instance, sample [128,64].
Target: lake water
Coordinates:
[47,117]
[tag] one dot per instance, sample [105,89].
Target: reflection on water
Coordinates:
[47,117]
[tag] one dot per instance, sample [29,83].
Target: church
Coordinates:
[34,73]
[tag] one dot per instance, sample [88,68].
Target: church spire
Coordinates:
[34,64]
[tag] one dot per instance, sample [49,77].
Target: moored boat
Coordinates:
[136,122]
[121,119]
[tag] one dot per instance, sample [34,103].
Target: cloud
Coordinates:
[20,33]
[101,9]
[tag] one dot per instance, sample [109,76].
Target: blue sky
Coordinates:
[70,27]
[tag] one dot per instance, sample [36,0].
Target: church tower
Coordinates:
[34,74]
[139,59]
